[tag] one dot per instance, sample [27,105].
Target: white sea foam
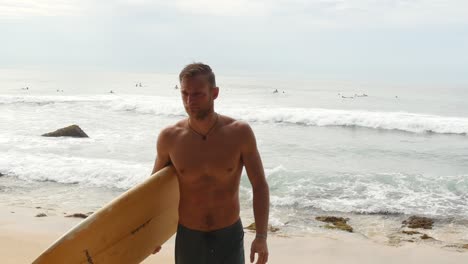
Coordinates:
[170,106]
[371,193]
[74,170]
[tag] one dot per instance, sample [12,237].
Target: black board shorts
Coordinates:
[221,246]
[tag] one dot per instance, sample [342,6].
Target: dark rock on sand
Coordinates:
[77,215]
[70,131]
[271,228]
[465,246]
[41,215]
[338,222]
[38,207]
[1,174]
[424,236]
[419,222]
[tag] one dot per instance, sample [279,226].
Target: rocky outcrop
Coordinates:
[70,131]
[41,215]
[418,222]
[338,222]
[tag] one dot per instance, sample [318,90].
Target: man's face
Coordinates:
[198,96]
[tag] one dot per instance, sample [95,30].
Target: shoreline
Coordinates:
[23,236]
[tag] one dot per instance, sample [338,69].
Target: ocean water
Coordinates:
[399,151]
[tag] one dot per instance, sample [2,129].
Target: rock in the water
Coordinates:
[419,222]
[41,215]
[70,131]
[270,228]
[338,222]
[77,215]
[1,174]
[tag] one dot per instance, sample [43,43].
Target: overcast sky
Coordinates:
[365,39]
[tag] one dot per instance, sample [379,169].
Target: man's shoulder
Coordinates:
[173,130]
[234,123]
[237,126]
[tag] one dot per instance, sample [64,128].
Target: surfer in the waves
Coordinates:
[209,151]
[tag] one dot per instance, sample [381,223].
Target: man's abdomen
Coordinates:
[209,216]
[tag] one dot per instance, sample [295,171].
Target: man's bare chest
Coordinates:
[214,156]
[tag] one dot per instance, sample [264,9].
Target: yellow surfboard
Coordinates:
[127,230]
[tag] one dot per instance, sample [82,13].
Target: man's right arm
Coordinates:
[162,151]
[162,158]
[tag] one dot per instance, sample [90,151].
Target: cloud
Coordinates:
[21,9]
[310,13]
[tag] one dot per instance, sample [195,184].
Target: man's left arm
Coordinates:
[261,197]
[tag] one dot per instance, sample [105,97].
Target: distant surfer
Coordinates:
[209,151]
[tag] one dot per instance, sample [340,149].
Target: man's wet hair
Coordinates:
[196,69]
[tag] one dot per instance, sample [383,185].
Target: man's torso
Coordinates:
[209,174]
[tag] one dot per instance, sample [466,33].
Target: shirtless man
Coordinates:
[208,151]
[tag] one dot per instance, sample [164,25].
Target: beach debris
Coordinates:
[383,212]
[338,222]
[424,236]
[41,215]
[69,131]
[361,95]
[77,215]
[418,222]
[462,246]
[271,228]
[410,232]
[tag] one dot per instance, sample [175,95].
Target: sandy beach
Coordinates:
[23,237]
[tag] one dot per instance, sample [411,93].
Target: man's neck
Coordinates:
[205,124]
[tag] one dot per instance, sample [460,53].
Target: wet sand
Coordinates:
[23,237]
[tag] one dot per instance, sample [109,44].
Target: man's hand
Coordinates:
[259,246]
[156,250]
